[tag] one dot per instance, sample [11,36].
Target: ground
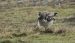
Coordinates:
[17,24]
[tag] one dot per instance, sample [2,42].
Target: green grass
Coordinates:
[52,39]
[16,26]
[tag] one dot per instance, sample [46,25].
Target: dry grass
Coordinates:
[19,23]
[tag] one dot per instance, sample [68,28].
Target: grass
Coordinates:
[17,24]
[52,39]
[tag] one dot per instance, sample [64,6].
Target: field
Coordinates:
[17,24]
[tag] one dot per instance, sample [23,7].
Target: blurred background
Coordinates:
[27,3]
[18,20]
